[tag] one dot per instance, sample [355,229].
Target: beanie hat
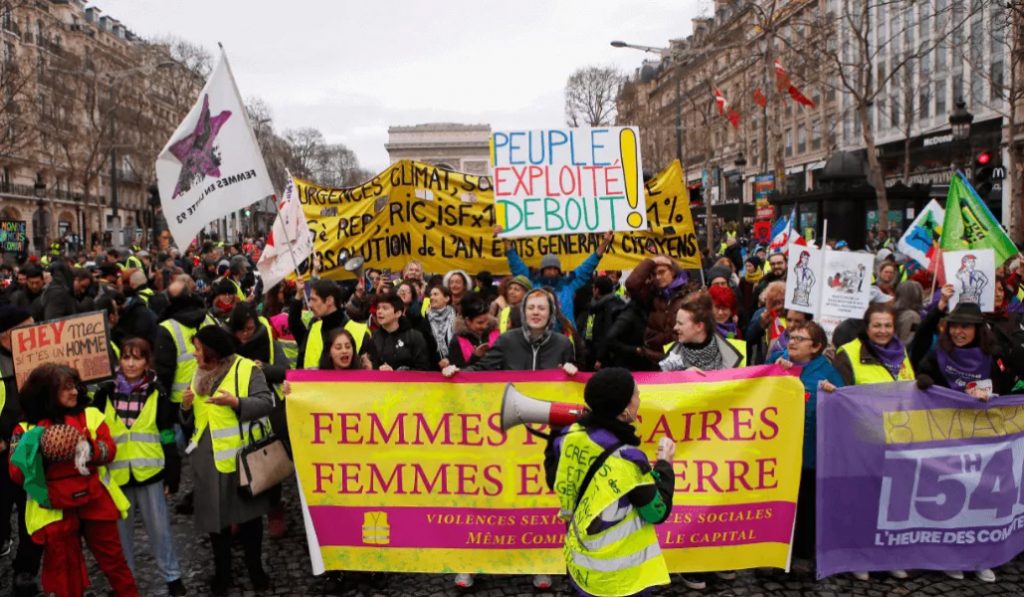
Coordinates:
[458,272]
[719,271]
[522,281]
[223,266]
[11,315]
[223,286]
[609,391]
[216,339]
[723,297]
[550,260]
[755,261]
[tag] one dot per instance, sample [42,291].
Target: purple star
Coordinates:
[198,157]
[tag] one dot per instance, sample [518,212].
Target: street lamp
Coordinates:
[665,53]
[960,124]
[39,190]
[740,163]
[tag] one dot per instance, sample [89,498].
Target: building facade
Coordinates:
[87,107]
[459,147]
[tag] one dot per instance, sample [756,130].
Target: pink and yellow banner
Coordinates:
[411,472]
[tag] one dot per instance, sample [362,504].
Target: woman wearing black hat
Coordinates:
[226,392]
[611,516]
[965,358]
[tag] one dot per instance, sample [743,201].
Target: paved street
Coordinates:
[288,564]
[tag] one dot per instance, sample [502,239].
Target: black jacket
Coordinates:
[604,310]
[625,340]
[259,348]
[404,348]
[188,312]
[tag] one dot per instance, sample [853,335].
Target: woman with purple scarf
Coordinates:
[967,358]
[876,355]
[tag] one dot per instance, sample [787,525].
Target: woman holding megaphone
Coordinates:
[611,546]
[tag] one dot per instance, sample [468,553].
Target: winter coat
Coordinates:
[404,348]
[661,306]
[218,503]
[811,375]
[564,286]
[464,338]
[603,313]
[626,340]
[188,312]
[513,351]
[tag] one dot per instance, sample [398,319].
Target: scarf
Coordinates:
[624,432]
[727,329]
[204,381]
[961,366]
[677,283]
[442,322]
[705,357]
[130,396]
[891,355]
[753,278]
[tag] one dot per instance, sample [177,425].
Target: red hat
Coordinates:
[723,297]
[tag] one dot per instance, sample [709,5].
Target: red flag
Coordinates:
[725,110]
[759,98]
[783,83]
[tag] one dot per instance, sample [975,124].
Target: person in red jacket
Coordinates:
[74,448]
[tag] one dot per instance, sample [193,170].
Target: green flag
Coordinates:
[970,225]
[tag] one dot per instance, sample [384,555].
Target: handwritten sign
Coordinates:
[560,181]
[79,342]
[13,236]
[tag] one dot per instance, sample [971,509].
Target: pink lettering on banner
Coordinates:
[537,528]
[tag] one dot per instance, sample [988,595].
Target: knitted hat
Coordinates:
[522,281]
[755,261]
[719,271]
[11,316]
[216,339]
[609,391]
[224,286]
[550,260]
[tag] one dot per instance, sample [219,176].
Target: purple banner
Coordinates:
[912,479]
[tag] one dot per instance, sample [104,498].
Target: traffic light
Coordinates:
[154,196]
[983,180]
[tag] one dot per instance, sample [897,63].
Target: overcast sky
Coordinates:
[352,68]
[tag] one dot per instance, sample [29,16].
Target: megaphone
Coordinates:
[519,409]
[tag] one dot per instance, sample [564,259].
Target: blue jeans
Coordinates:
[150,500]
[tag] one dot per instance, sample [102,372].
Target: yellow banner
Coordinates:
[445,220]
[427,481]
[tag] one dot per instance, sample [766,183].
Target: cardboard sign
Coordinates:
[572,180]
[803,282]
[80,342]
[13,236]
[847,290]
[972,274]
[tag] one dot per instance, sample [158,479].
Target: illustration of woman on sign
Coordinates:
[972,282]
[804,280]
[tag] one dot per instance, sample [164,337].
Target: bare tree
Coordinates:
[1001,71]
[863,71]
[590,96]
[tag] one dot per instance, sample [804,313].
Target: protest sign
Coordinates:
[973,276]
[13,237]
[414,483]
[568,180]
[921,240]
[80,342]
[923,480]
[804,280]
[445,220]
[846,292]
[211,165]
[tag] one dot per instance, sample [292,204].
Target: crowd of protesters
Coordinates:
[200,346]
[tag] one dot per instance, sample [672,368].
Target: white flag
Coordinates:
[212,165]
[920,240]
[289,234]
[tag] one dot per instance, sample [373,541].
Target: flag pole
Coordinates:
[284,229]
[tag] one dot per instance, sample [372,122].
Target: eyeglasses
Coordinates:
[799,339]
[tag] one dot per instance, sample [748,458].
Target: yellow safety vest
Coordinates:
[140,454]
[864,373]
[623,559]
[291,351]
[359,331]
[186,358]
[314,346]
[116,350]
[145,294]
[228,434]
[3,398]
[238,289]
[503,318]
[37,517]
